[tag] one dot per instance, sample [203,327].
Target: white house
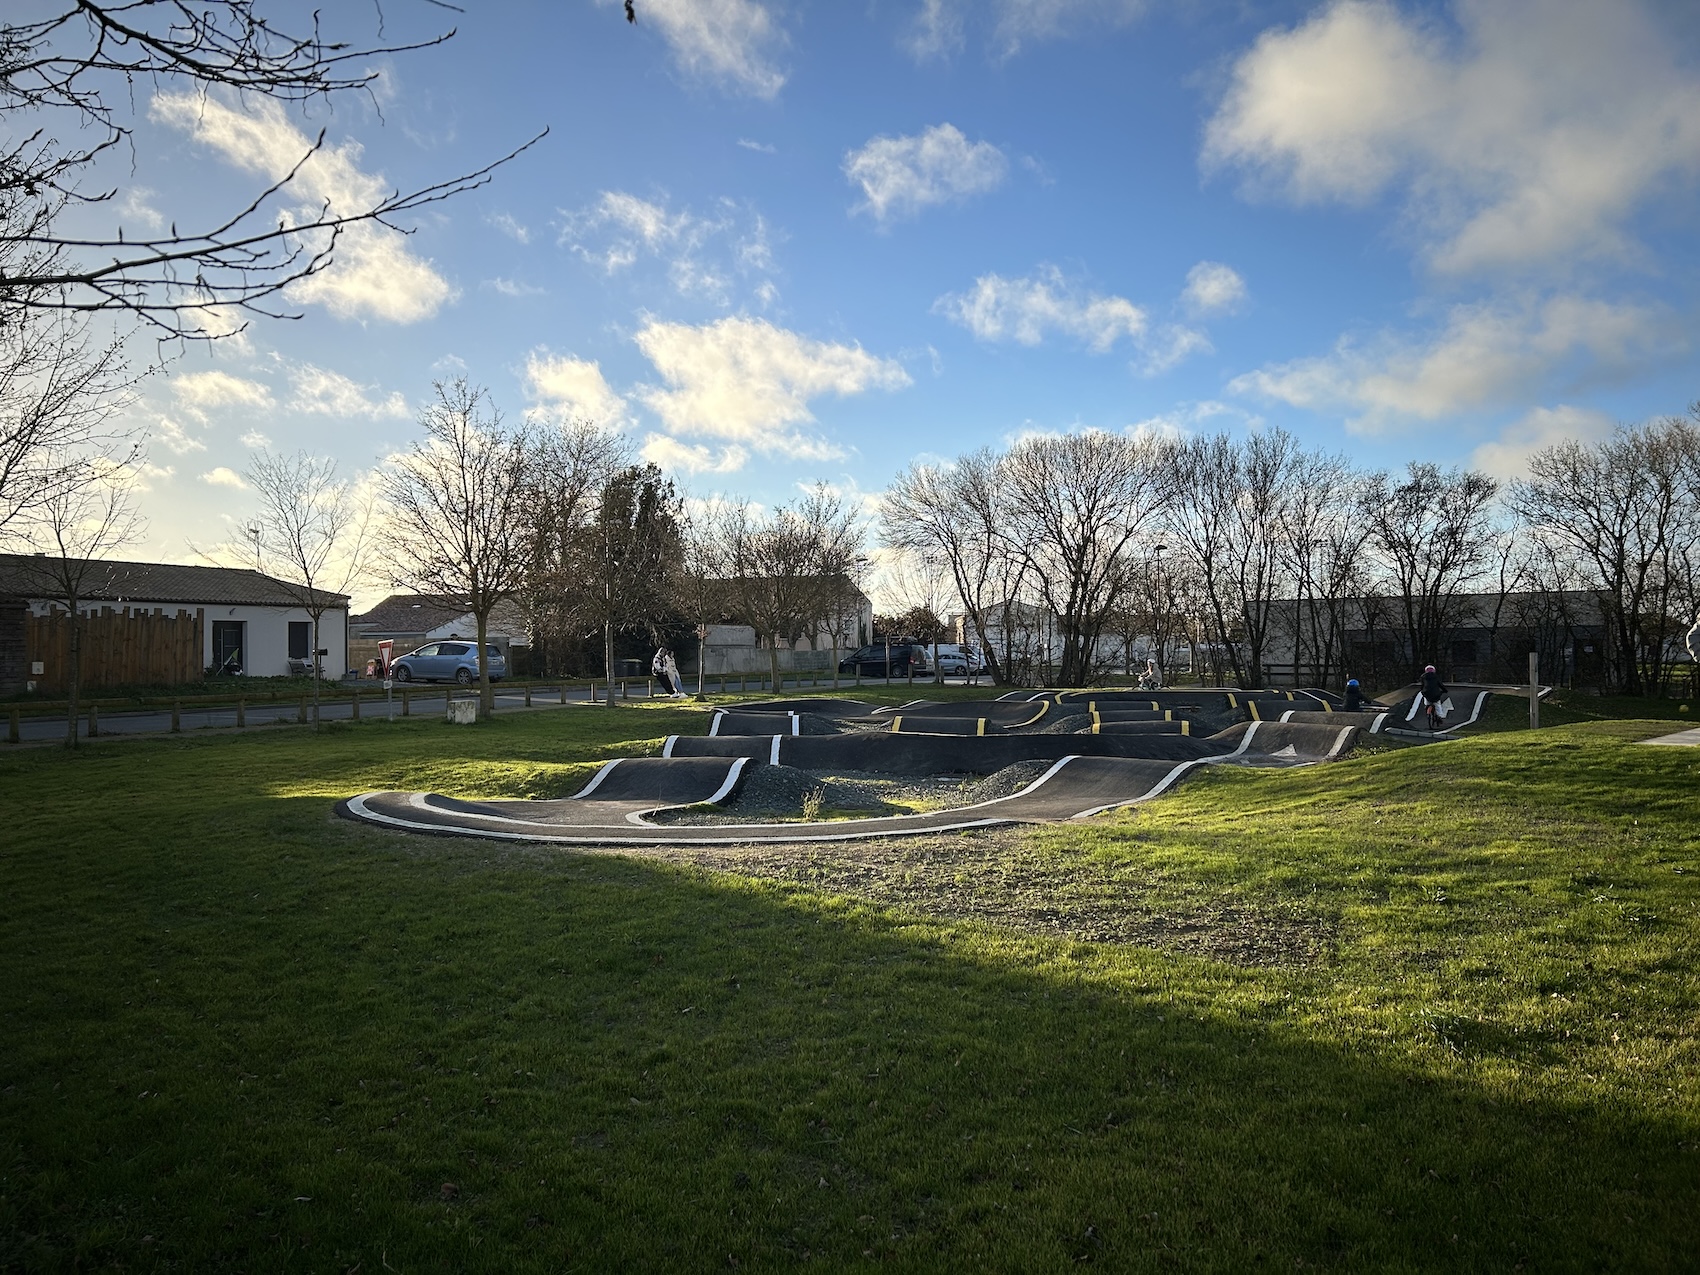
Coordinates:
[163,622]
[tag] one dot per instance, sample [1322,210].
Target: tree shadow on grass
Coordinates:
[343,1046]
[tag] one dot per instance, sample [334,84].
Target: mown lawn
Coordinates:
[242,1034]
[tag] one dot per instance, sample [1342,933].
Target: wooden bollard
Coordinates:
[355,712]
[14,732]
[94,720]
[176,716]
[302,715]
[406,704]
[241,713]
[651,684]
[625,689]
[593,692]
[563,692]
[528,694]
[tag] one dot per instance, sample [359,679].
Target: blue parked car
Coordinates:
[447,662]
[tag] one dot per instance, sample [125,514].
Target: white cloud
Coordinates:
[1187,418]
[1024,310]
[766,148]
[224,476]
[936,30]
[136,206]
[573,389]
[510,226]
[203,392]
[174,436]
[1022,22]
[899,176]
[253,438]
[731,42]
[1508,455]
[748,382]
[1213,288]
[321,392]
[515,288]
[1485,356]
[375,273]
[693,458]
[147,474]
[1527,138]
[704,254]
[938,26]
[1173,344]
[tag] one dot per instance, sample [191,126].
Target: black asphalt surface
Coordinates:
[1089,774]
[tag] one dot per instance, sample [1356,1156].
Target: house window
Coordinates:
[300,638]
[229,645]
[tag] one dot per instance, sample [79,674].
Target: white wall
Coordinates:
[267,638]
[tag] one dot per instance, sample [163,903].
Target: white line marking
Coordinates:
[714,726]
[596,779]
[773,754]
[667,748]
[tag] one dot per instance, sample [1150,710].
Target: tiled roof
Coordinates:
[21,576]
[407,613]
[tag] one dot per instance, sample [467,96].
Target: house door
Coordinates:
[229,645]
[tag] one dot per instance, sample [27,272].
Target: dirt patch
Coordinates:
[998,876]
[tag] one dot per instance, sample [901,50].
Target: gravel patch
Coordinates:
[1072,724]
[1001,877]
[773,794]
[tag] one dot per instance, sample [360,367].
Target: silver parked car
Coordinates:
[447,662]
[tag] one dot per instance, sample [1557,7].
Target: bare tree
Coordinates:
[71,70]
[1203,477]
[1434,532]
[75,526]
[629,557]
[573,464]
[955,513]
[1078,503]
[788,572]
[1322,532]
[456,510]
[309,532]
[1626,506]
[58,393]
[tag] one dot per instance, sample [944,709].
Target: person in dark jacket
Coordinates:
[1432,695]
[1356,700]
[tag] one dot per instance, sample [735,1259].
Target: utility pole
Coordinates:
[1534,690]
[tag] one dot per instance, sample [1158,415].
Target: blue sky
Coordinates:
[780,241]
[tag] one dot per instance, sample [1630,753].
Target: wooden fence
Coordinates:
[129,647]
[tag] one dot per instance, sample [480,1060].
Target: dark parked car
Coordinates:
[869,661]
[447,662]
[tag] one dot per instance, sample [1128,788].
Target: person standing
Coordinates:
[658,670]
[672,667]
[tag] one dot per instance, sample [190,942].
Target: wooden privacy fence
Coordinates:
[128,647]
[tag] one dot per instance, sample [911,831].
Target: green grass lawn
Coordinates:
[241,1034]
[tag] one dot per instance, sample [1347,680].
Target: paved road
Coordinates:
[423,702]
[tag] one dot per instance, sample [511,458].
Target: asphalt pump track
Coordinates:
[1087,774]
